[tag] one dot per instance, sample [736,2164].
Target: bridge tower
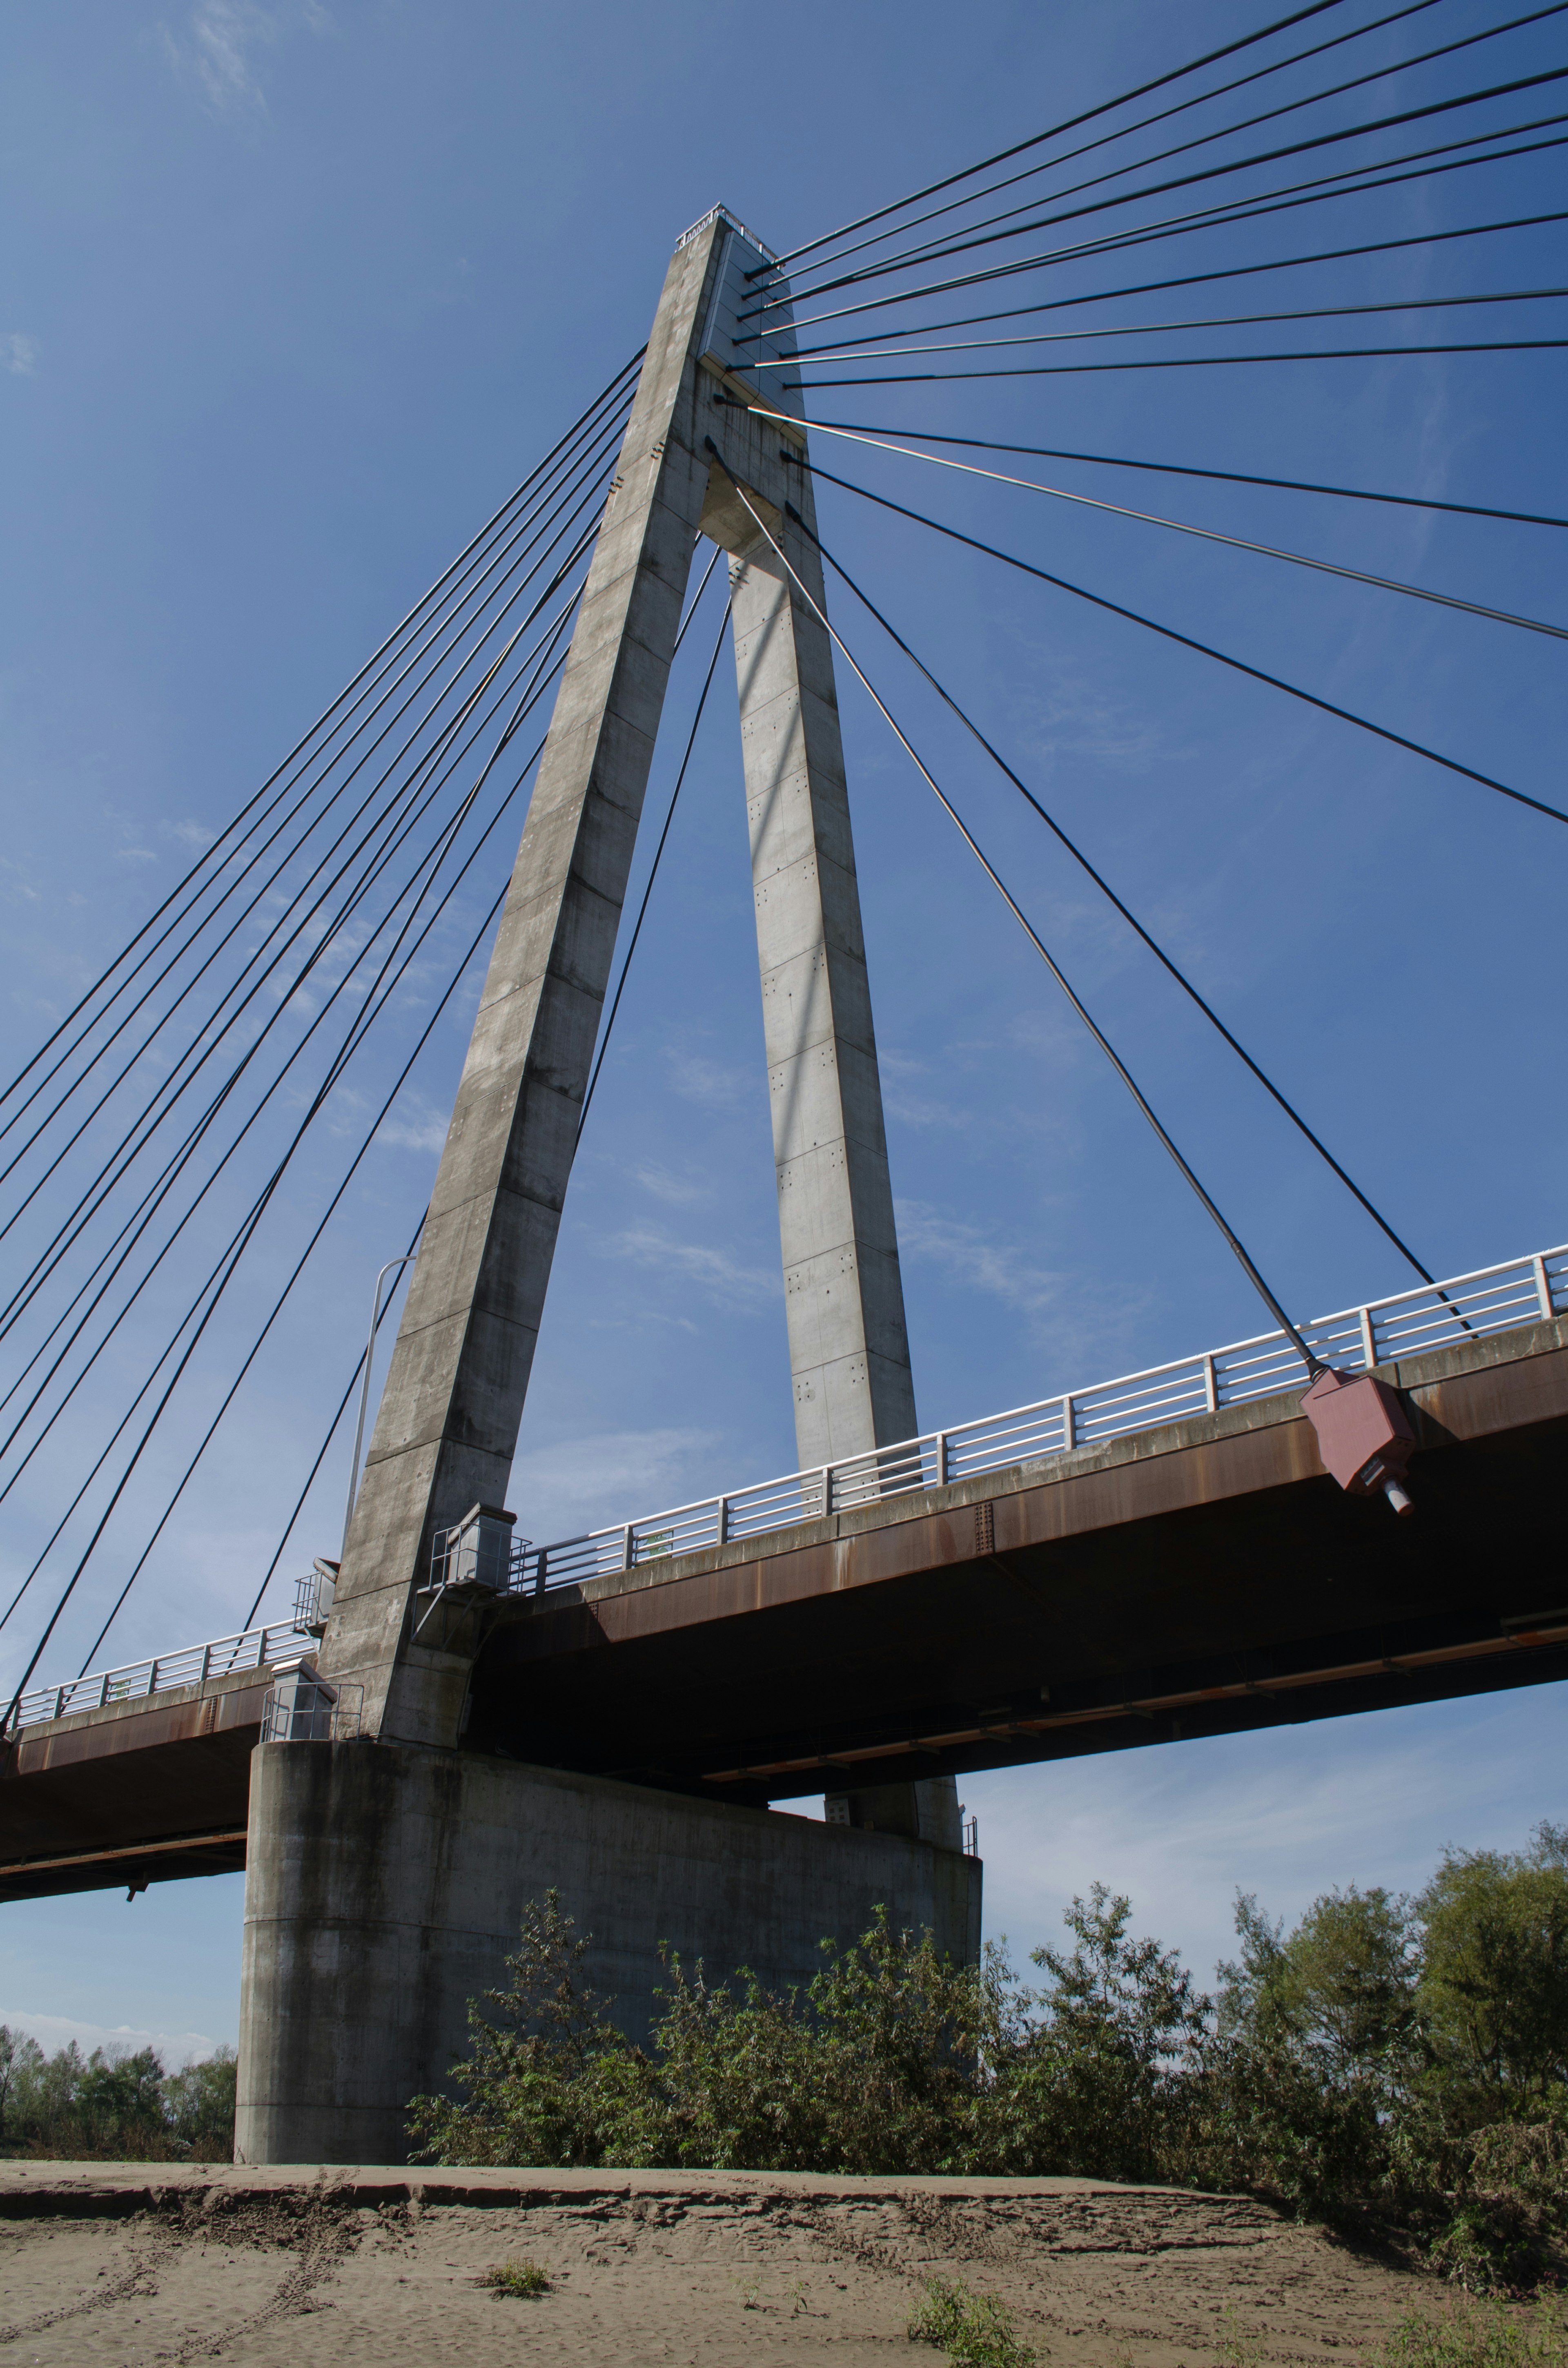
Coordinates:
[386,1874]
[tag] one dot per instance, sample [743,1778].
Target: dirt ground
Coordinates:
[128,2265]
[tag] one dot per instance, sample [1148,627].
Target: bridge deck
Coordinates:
[1193,1579]
[134,1792]
[1190,1580]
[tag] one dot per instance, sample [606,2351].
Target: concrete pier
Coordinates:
[386,1885]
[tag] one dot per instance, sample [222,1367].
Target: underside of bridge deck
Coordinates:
[1200,1579]
[133,1792]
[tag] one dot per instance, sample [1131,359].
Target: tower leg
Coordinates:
[843,1292]
[447,1428]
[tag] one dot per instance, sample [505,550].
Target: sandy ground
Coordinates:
[128,2265]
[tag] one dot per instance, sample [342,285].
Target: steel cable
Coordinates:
[1353,181]
[536,661]
[1127,913]
[123,1482]
[653,866]
[168,1092]
[930,249]
[1249,1267]
[217,1280]
[359,1366]
[1157,287]
[1068,123]
[1205,649]
[357,1030]
[1204,533]
[264,889]
[239,1378]
[941,253]
[210,853]
[1163,115]
[1176,468]
[852,351]
[1199,361]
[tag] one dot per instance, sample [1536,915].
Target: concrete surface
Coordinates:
[386,1884]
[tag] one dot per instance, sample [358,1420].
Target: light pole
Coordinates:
[391,1267]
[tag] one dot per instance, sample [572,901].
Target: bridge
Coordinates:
[456,1717]
[1140,1561]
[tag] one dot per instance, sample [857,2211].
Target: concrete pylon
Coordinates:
[447,1428]
[843,1292]
[385,1875]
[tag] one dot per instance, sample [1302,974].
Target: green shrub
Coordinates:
[974,2330]
[1386,2061]
[1478,2335]
[522,2281]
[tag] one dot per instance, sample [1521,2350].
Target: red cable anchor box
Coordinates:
[1364,1434]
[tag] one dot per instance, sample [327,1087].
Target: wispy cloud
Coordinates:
[976,1257]
[903,1100]
[679,1192]
[614,1475]
[716,1273]
[20,353]
[415,1125]
[217,50]
[699,1080]
[55,2031]
[1070,715]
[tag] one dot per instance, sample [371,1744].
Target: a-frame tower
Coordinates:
[366,1842]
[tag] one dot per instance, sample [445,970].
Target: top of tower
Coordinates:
[722,213]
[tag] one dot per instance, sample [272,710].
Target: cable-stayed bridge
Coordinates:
[461,1717]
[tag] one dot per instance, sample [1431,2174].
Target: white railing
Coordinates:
[255,1650]
[1522,1290]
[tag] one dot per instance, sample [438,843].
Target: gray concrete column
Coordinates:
[446,1430]
[843,1298]
[843,1292]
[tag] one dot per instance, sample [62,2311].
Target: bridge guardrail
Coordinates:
[1520,1290]
[254,1649]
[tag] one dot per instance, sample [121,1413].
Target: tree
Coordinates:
[1493,1987]
[199,2103]
[1093,2082]
[1340,1991]
[118,2104]
[545,2082]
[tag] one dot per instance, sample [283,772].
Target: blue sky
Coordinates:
[294,294]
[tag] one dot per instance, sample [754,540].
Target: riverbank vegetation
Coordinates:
[1398,2065]
[119,2108]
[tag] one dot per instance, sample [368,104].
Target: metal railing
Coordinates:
[1521,1291]
[1494,1298]
[300,1707]
[256,1649]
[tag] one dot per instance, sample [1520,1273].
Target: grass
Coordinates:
[976,2330]
[1490,2334]
[522,2280]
